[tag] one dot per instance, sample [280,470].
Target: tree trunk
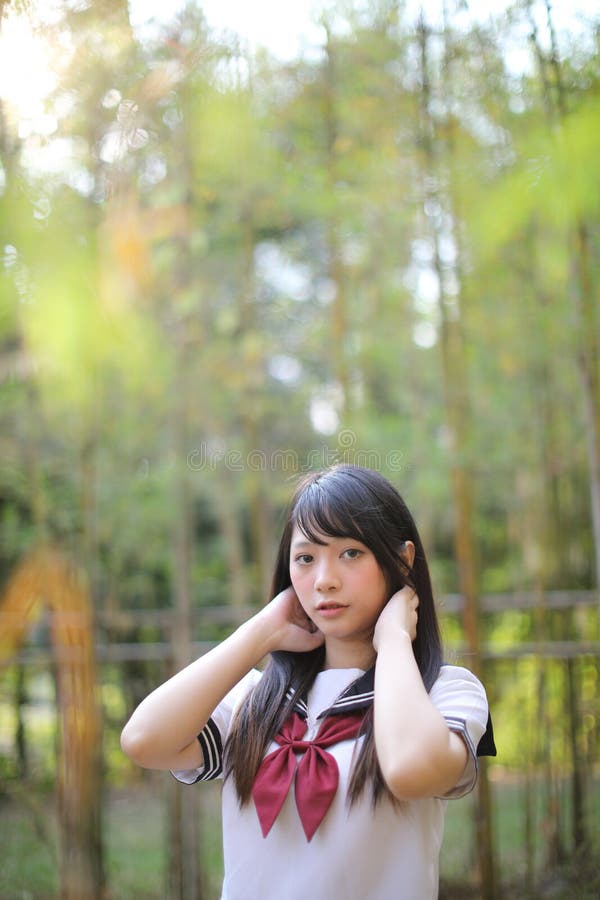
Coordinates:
[456,405]
[588,355]
[80,781]
[588,358]
[184,872]
[184,869]
[230,524]
[256,464]
[20,700]
[578,781]
[260,511]
[529,827]
[339,324]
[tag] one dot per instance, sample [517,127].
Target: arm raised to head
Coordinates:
[418,754]
[162,732]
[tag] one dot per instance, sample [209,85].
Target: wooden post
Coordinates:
[44,576]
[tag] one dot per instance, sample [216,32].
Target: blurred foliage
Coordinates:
[241,248]
[219,269]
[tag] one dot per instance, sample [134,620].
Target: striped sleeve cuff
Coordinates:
[212,751]
[211,745]
[469,777]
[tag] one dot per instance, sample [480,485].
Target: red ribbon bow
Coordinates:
[317,772]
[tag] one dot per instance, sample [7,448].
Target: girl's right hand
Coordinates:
[289,628]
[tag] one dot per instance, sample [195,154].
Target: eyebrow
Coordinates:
[298,545]
[303,544]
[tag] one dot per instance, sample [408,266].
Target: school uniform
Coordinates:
[352,853]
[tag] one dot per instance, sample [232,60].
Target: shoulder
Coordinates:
[459,694]
[249,680]
[238,693]
[455,679]
[224,712]
[460,697]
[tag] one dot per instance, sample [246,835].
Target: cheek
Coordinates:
[299,583]
[298,579]
[382,592]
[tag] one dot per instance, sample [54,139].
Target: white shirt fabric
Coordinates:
[357,853]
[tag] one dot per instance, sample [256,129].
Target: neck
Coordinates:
[346,655]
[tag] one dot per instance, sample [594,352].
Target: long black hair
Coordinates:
[342,501]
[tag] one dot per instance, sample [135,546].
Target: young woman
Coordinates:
[339,757]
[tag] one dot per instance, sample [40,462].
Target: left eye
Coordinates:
[352,553]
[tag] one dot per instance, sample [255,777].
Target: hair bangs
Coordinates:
[320,512]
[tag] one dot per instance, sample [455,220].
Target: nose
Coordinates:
[327,578]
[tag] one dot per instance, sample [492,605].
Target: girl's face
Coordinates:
[339,585]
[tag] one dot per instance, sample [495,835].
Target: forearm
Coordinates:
[418,755]
[161,733]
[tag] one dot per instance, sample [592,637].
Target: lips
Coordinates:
[330,609]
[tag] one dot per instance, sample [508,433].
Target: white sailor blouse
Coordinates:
[298,836]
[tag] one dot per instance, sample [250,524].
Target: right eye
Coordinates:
[304,559]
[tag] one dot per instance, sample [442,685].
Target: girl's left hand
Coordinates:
[398,614]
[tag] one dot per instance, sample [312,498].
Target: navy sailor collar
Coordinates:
[359,695]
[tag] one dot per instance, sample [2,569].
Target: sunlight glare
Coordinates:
[26,76]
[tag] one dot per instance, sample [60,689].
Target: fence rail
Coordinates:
[113,622]
[230,615]
[163,651]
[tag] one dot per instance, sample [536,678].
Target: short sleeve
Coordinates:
[213,735]
[461,699]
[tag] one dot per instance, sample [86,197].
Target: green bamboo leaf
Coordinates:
[557,179]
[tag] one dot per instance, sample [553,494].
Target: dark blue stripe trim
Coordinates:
[212,751]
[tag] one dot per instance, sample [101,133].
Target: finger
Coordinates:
[306,624]
[409,594]
[412,598]
[312,641]
[303,621]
